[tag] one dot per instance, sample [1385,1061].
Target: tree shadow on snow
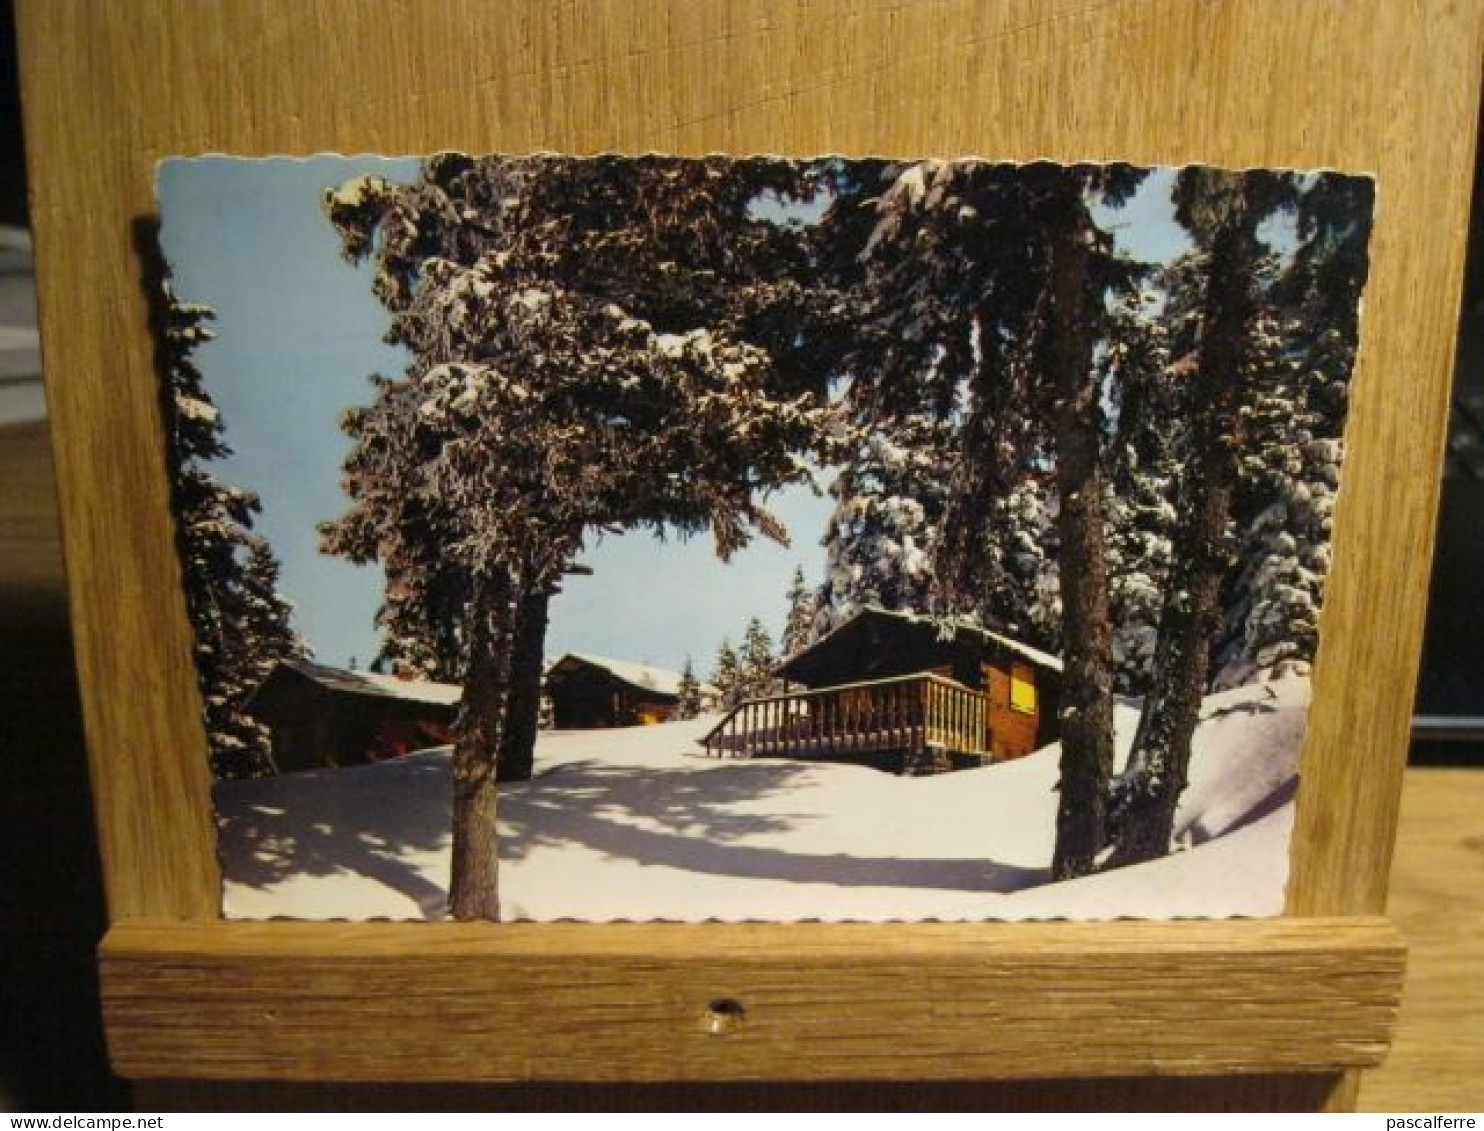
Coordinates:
[688,819]
[707,803]
[1197,832]
[366,822]
[359,821]
[1249,707]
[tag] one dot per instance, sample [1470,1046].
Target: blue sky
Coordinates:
[298,334]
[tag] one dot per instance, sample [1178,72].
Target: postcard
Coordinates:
[755,538]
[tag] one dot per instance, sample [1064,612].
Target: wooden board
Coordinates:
[637,1002]
[1360,86]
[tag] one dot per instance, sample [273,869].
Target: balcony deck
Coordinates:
[919,723]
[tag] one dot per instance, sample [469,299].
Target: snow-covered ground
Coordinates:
[639,824]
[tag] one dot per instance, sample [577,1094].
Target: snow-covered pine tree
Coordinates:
[689,703]
[882,535]
[983,294]
[1223,212]
[421,617]
[241,624]
[726,677]
[581,333]
[799,623]
[1285,500]
[1151,338]
[1021,549]
[1281,511]
[903,358]
[757,661]
[268,615]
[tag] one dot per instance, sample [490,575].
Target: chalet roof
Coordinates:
[962,631]
[1034,655]
[375,684]
[643,677]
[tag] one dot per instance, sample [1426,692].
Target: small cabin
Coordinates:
[319,716]
[903,693]
[588,691]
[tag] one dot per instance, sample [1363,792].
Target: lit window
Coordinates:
[1022,689]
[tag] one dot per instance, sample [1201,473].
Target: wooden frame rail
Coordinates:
[722,1002]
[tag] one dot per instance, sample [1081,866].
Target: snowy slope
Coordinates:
[638,824]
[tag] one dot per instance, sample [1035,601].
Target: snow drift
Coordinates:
[638,824]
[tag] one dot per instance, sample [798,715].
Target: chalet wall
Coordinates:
[1012,733]
[312,728]
[585,697]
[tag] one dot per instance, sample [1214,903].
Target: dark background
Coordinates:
[51,902]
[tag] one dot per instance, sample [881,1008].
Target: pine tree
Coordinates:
[1021,547]
[1280,503]
[242,625]
[883,533]
[421,617]
[591,353]
[267,615]
[799,623]
[1223,211]
[726,677]
[1285,499]
[1145,451]
[757,661]
[688,694]
[984,291]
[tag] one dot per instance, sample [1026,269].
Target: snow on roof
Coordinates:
[960,624]
[1034,655]
[640,675]
[377,684]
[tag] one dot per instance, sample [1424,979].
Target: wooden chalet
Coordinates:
[898,692]
[589,691]
[320,716]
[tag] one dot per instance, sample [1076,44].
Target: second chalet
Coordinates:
[597,691]
[904,694]
[320,716]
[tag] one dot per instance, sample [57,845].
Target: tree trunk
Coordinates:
[1150,788]
[473,892]
[523,707]
[1087,685]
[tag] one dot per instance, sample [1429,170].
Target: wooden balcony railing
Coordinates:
[909,713]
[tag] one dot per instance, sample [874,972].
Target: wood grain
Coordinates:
[1361,86]
[1437,900]
[31,567]
[635,1002]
